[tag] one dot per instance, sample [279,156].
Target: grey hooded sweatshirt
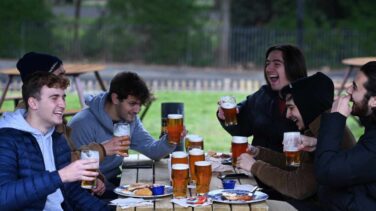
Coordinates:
[93,124]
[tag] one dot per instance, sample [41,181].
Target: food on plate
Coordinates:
[218,155]
[135,186]
[236,197]
[143,192]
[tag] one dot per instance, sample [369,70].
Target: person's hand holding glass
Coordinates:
[123,133]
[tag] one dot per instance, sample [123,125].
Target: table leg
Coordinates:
[100,81]
[3,95]
[77,83]
[346,77]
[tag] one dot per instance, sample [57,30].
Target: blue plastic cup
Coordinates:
[157,189]
[228,184]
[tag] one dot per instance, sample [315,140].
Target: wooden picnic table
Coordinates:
[145,175]
[353,63]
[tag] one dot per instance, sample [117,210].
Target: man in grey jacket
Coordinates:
[128,92]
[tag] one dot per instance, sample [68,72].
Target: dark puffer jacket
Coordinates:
[259,116]
[24,182]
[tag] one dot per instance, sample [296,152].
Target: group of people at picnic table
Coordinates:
[41,169]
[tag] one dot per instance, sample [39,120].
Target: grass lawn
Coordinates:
[200,118]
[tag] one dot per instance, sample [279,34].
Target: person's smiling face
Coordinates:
[275,70]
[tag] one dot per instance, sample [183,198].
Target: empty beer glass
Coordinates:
[291,142]
[180,177]
[239,145]
[123,129]
[203,175]
[194,156]
[228,105]
[174,128]
[193,141]
[87,154]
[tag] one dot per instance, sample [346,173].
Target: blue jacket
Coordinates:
[24,182]
[347,178]
[259,116]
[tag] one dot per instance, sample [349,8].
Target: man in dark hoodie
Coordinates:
[306,100]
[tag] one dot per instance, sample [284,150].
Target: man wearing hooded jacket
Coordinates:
[306,100]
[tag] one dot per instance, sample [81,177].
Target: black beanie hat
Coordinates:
[312,95]
[34,62]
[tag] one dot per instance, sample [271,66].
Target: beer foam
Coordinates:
[175,116]
[202,163]
[196,138]
[179,154]
[196,151]
[180,166]
[122,129]
[290,138]
[228,105]
[86,154]
[239,139]
[290,148]
[190,136]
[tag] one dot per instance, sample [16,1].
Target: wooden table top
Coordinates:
[162,177]
[358,61]
[71,69]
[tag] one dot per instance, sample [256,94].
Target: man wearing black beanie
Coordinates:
[306,99]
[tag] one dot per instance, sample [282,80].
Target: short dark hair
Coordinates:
[129,83]
[33,85]
[369,70]
[294,61]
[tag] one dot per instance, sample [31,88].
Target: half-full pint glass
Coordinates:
[290,148]
[239,145]
[194,156]
[123,129]
[174,128]
[203,175]
[180,176]
[87,154]
[194,141]
[228,105]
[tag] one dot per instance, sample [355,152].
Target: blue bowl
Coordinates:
[158,189]
[228,184]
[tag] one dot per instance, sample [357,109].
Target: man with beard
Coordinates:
[348,177]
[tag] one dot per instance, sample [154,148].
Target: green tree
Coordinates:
[24,26]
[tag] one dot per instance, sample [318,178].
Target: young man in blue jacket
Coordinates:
[35,168]
[348,177]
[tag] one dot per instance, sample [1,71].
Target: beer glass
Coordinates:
[179,157]
[239,145]
[174,128]
[122,129]
[290,148]
[194,156]
[203,175]
[87,154]
[228,105]
[180,176]
[193,141]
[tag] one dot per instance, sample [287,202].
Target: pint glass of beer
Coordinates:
[228,105]
[180,177]
[203,175]
[193,141]
[179,157]
[123,129]
[239,145]
[290,148]
[174,128]
[87,154]
[194,156]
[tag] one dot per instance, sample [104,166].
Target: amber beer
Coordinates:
[290,148]
[194,156]
[174,128]
[180,177]
[194,141]
[179,157]
[239,145]
[123,129]
[87,154]
[228,105]
[203,175]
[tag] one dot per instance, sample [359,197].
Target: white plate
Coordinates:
[122,191]
[216,195]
